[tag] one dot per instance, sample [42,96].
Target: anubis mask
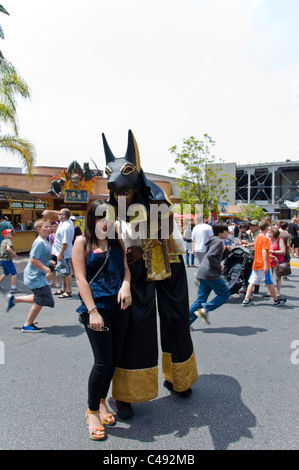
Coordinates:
[122,173]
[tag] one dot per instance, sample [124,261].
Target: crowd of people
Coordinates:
[106,289]
[271,246]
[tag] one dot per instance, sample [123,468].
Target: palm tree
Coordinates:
[2,10]
[13,85]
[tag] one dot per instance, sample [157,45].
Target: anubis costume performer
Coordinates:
[157,273]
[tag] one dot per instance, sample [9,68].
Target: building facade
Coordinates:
[269,185]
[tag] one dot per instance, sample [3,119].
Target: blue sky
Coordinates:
[167,69]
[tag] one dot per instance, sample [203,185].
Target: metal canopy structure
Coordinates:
[268,185]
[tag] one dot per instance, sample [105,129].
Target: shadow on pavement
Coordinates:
[216,403]
[238,330]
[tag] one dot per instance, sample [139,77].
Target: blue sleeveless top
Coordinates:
[105,286]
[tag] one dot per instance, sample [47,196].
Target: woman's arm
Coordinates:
[281,248]
[79,264]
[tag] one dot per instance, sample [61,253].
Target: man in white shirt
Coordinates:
[62,248]
[200,236]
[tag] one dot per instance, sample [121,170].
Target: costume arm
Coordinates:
[125,290]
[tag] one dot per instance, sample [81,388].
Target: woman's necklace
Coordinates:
[103,244]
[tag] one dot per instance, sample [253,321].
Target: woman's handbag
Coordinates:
[284,269]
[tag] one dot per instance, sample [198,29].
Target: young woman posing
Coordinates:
[103,280]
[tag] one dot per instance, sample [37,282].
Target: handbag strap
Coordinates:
[100,269]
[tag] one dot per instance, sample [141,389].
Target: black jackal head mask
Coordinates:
[122,173]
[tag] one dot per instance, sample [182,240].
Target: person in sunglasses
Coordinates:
[103,280]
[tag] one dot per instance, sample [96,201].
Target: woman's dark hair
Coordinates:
[96,211]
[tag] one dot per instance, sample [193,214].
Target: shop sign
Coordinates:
[29,205]
[72,195]
[40,206]
[16,205]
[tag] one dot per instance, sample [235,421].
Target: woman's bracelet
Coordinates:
[92,308]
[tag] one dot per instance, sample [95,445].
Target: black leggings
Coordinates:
[106,347]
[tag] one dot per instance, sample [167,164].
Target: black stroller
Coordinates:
[237,268]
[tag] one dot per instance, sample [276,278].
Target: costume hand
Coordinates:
[124,296]
[134,253]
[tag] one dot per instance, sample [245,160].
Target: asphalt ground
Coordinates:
[245,398]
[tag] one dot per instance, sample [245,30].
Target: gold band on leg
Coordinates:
[182,375]
[135,386]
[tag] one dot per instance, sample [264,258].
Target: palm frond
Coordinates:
[24,149]
[2,9]
[12,84]
[8,115]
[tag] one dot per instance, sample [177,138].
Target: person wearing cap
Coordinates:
[7,253]
[252,233]
[4,223]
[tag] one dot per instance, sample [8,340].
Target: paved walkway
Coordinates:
[244,398]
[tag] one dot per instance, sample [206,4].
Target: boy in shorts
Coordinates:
[7,255]
[36,276]
[261,267]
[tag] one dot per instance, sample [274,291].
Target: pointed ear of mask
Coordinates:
[108,154]
[132,154]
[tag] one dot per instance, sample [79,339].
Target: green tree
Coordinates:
[12,85]
[251,212]
[200,181]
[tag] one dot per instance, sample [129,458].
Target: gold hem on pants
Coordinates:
[135,386]
[182,375]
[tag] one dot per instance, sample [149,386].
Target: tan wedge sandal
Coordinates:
[110,418]
[96,434]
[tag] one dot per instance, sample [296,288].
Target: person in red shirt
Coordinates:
[261,271]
